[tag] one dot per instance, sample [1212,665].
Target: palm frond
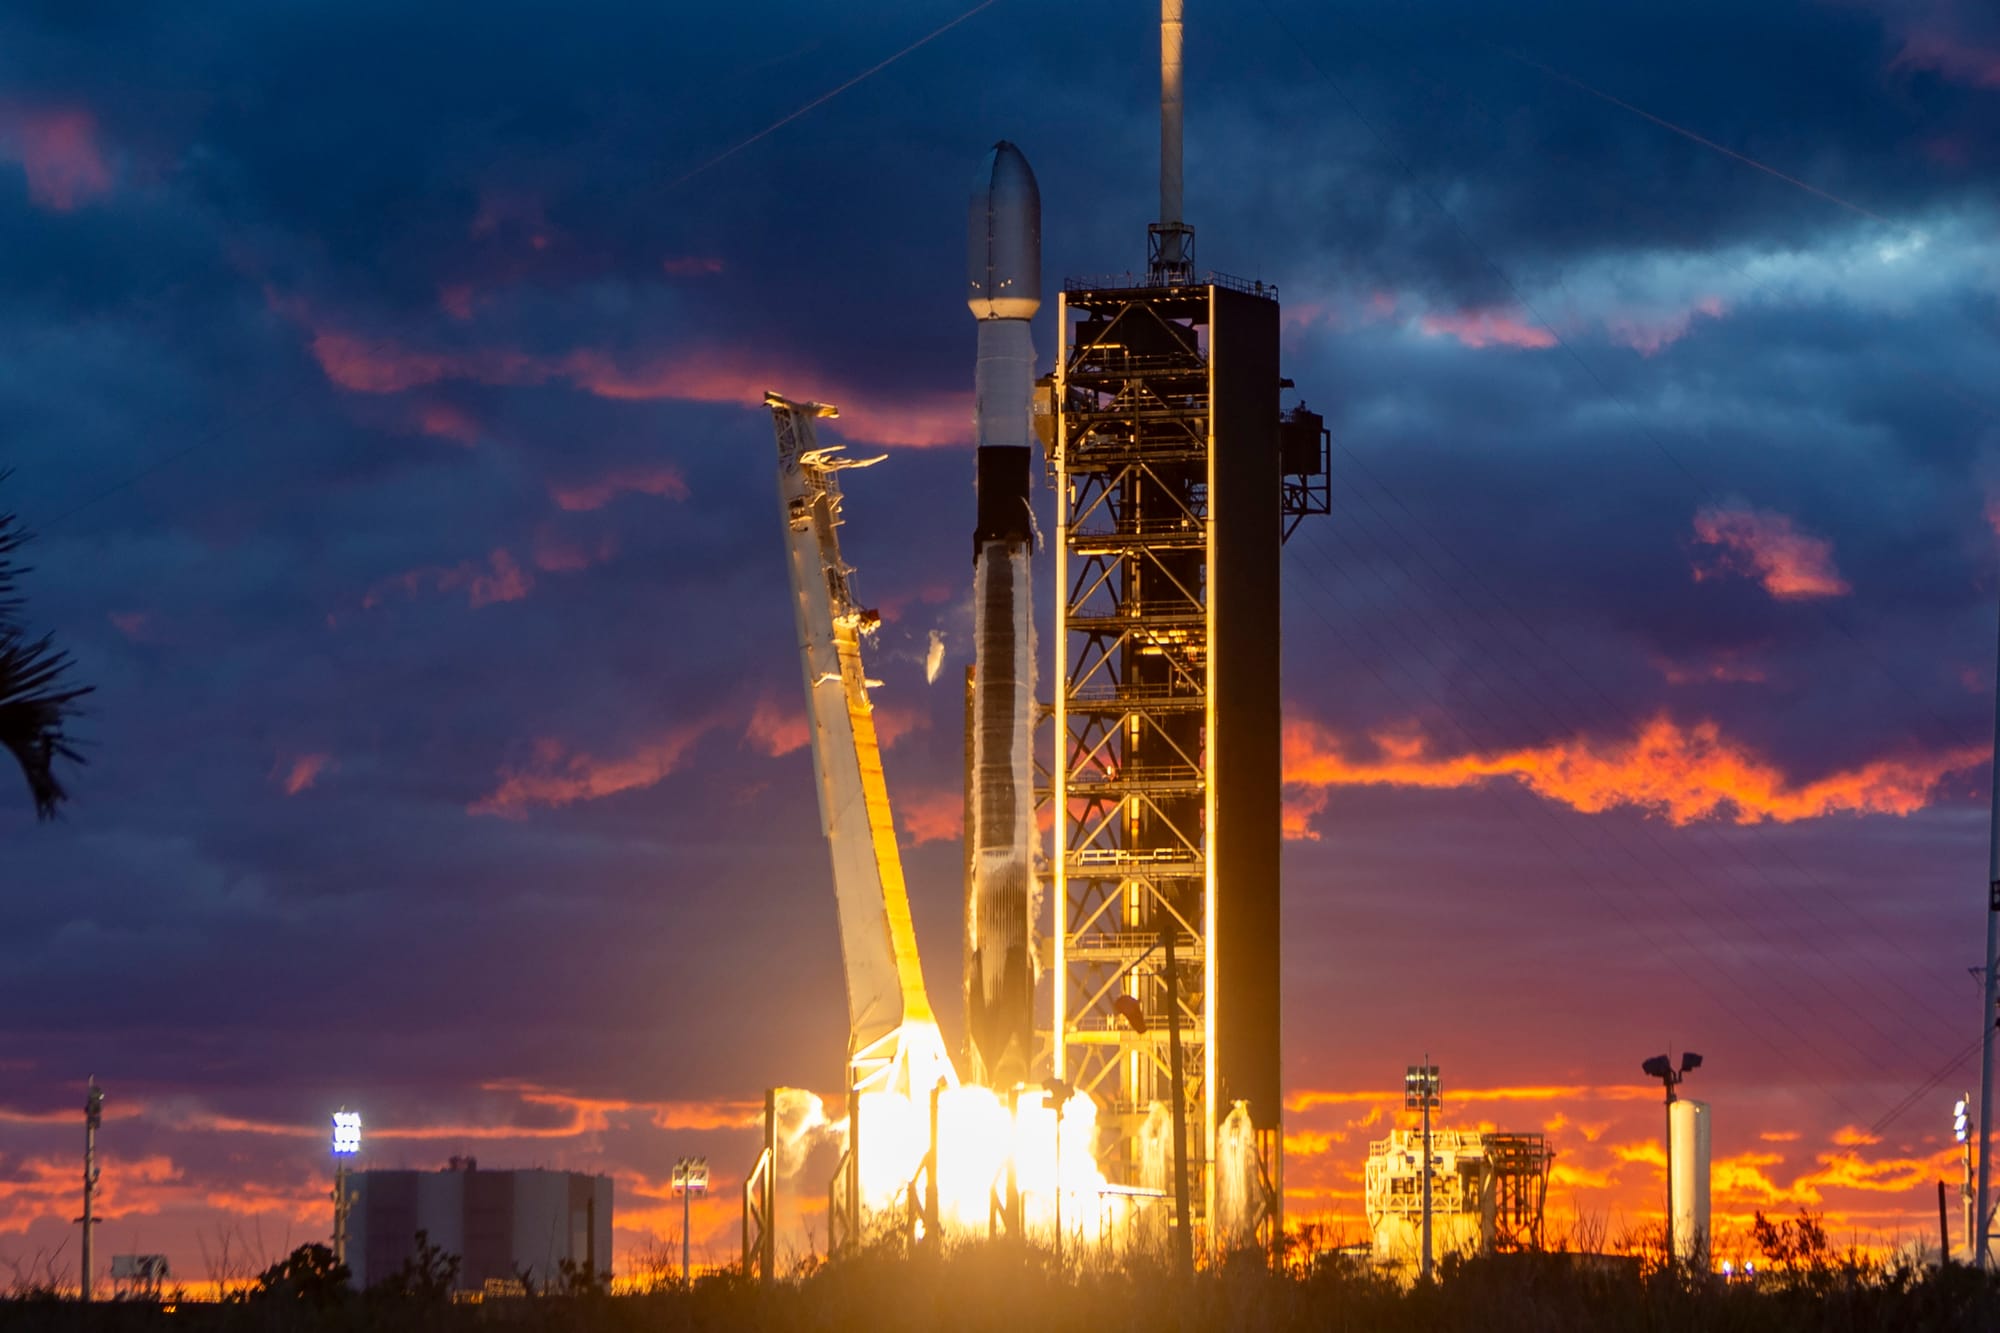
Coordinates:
[36,702]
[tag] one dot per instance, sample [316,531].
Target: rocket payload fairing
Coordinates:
[1004,279]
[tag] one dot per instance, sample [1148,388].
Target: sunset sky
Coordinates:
[384,384]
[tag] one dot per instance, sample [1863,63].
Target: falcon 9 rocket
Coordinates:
[1004,272]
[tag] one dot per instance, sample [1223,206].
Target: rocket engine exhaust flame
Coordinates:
[995,1153]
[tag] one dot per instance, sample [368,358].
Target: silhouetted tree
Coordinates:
[36,702]
[309,1275]
[428,1274]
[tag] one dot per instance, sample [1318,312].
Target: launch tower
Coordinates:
[1176,481]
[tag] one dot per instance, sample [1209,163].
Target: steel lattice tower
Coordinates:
[1175,482]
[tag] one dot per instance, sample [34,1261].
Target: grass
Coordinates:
[997,1288]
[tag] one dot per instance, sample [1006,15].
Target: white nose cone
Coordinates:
[1004,238]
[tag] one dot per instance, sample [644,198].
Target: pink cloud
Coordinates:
[1766,546]
[690,266]
[661,479]
[556,554]
[1725,666]
[1487,328]
[1647,333]
[501,579]
[456,299]
[446,422]
[300,773]
[134,625]
[559,777]
[933,816]
[776,730]
[1937,37]
[57,148]
[689,374]
[892,724]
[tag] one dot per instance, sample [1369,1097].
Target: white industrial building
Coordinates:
[503,1225]
[1487,1193]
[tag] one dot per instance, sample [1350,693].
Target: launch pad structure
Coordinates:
[1169,461]
[1176,481]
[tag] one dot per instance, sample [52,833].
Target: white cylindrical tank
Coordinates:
[1689,1124]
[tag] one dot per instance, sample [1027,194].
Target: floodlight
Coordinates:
[1959,1127]
[1420,1085]
[1659,1067]
[691,1175]
[1689,1062]
[346,1133]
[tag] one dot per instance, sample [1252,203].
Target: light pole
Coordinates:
[1662,1068]
[346,1143]
[1420,1093]
[1961,1130]
[690,1179]
[93,1116]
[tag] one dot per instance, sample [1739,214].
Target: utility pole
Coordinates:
[1980,1235]
[93,1116]
[1961,1133]
[1420,1093]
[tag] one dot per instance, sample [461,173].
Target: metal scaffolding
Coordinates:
[1171,501]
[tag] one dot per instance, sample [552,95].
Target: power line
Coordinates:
[828,96]
[287,400]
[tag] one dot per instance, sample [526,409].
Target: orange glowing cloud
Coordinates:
[1486,328]
[38,1187]
[658,479]
[58,151]
[1301,805]
[775,730]
[1766,546]
[1681,773]
[557,777]
[301,773]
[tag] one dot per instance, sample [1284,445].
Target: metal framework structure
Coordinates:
[760,1201]
[1170,500]
[1488,1191]
[1519,1164]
